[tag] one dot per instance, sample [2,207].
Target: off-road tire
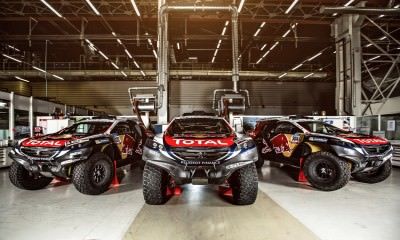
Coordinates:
[155,183]
[23,179]
[341,171]
[83,175]
[244,184]
[379,175]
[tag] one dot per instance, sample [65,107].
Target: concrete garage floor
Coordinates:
[284,210]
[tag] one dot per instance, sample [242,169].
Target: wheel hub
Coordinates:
[98,173]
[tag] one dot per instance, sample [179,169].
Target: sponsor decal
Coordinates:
[280,143]
[266,148]
[368,141]
[295,138]
[193,142]
[44,143]
[127,146]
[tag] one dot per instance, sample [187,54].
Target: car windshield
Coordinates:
[321,127]
[199,126]
[87,128]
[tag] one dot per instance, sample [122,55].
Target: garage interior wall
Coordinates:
[267,97]
[18,87]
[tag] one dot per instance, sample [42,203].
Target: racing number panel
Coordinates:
[280,142]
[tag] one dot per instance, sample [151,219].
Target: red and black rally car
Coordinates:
[328,155]
[84,152]
[200,150]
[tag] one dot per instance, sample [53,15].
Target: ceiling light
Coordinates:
[128,53]
[291,6]
[241,5]
[263,46]
[223,31]
[226,23]
[308,75]
[119,41]
[19,78]
[257,32]
[14,48]
[114,65]
[213,60]
[39,69]
[286,33]
[92,48]
[136,64]
[135,8]
[259,60]
[89,42]
[281,76]
[56,76]
[382,38]
[14,59]
[297,66]
[93,7]
[113,33]
[381,16]
[265,54]
[273,46]
[373,58]
[178,46]
[315,56]
[143,74]
[51,8]
[102,54]
[123,73]
[154,53]
[348,3]
[368,45]
[397,6]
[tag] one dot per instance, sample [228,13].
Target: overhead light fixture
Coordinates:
[216,52]
[397,6]
[259,60]
[9,57]
[281,76]
[102,54]
[266,53]
[263,46]
[382,38]
[93,7]
[368,45]
[213,60]
[56,76]
[89,42]
[39,69]
[19,78]
[226,23]
[381,16]
[136,64]
[286,33]
[308,75]
[348,3]
[92,48]
[113,33]
[123,73]
[315,56]
[178,46]
[155,53]
[373,58]
[119,41]
[291,6]
[51,8]
[128,53]
[297,66]
[273,46]
[143,74]
[13,48]
[259,29]
[241,5]
[223,31]
[135,8]
[114,65]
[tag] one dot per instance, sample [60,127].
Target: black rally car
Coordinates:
[200,150]
[84,152]
[328,155]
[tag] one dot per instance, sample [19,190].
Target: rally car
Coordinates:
[86,152]
[200,150]
[329,156]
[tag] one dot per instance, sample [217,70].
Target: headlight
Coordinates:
[154,145]
[343,143]
[245,144]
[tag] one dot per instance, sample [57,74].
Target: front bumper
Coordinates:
[362,161]
[200,172]
[54,165]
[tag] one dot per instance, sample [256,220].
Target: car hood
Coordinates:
[53,140]
[362,139]
[199,140]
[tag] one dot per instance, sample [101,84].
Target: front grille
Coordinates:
[200,155]
[376,149]
[39,152]
[396,152]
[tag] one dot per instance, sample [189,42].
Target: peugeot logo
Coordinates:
[201,155]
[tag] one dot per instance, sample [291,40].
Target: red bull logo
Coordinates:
[280,143]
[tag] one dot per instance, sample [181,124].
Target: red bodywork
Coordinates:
[363,139]
[48,141]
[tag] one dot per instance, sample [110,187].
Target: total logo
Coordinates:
[200,142]
[37,143]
